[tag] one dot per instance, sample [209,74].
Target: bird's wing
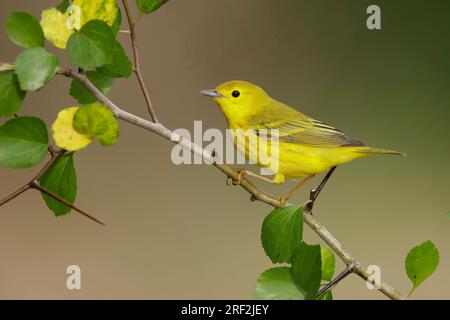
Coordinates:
[295,127]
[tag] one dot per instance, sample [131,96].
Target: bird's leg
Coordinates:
[315,192]
[244,172]
[286,197]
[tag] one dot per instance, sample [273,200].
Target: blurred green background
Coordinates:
[176,232]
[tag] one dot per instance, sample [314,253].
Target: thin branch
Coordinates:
[256,193]
[34,184]
[15,194]
[37,186]
[137,63]
[54,156]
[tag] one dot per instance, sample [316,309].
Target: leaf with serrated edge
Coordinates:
[57,30]
[278,284]
[35,67]
[328,263]
[65,135]
[96,120]
[23,142]
[120,64]
[281,232]
[61,179]
[149,6]
[24,30]
[105,10]
[11,96]
[421,262]
[91,47]
[307,268]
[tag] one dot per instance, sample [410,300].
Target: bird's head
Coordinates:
[239,100]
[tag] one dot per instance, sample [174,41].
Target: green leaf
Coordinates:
[11,96]
[325,296]
[82,95]
[307,268]
[90,47]
[281,232]
[35,67]
[23,142]
[24,30]
[421,262]
[149,6]
[120,67]
[61,179]
[63,6]
[328,263]
[278,284]
[96,120]
[115,27]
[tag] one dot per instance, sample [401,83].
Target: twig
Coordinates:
[137,63]
[34,184]
[18,192]
[256,193]
[15,194]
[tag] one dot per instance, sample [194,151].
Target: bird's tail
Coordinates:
[373,151]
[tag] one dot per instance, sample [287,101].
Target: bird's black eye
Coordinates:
[236,94]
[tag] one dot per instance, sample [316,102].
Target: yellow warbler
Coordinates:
[306,146]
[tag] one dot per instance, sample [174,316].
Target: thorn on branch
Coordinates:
[348,270]
[35,185]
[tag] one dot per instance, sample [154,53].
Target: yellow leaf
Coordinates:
[65,135]
[105,10]
[58,26]
[56,29]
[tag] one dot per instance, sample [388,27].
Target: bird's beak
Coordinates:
[211,93]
